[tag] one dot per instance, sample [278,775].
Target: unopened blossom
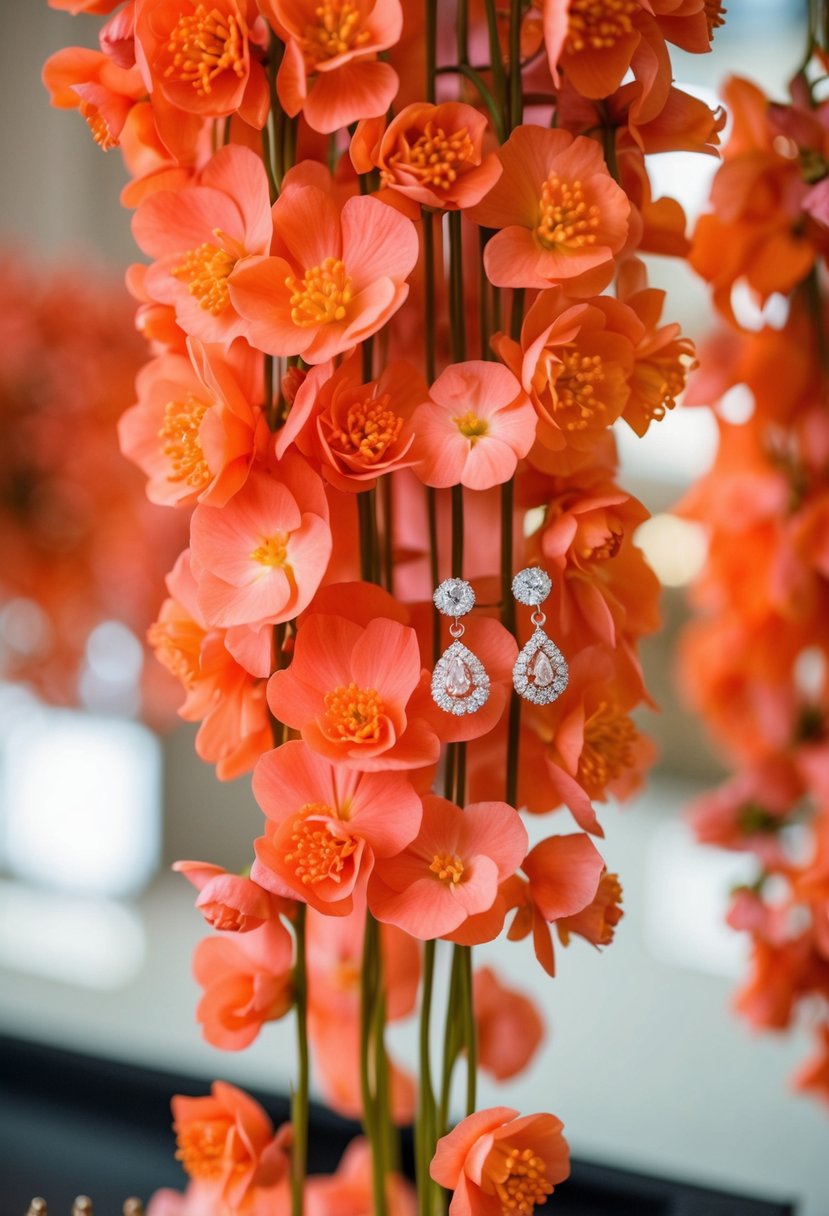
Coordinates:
[231,902]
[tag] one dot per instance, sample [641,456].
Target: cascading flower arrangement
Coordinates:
[395,307]
[755,662]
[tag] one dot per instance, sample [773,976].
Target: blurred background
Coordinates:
[644,1061]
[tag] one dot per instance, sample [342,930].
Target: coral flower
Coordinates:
[509,1025]
[261,557]
[452,870]
[202,236]
[358,695]
[354,432]
[561,215]
[349,1190]
[228,1140]
[231,902]
[329,70]
[247,979]
[197,57]
[193,429]
[431,154]
[336,275]
[813,1076]
[327,825]
[103,93]
[496,1162]
[477,425]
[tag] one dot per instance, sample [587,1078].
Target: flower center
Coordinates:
[471,427]
[354,713]
[178,646]
[273,551]
[434,157]
[448,867]
[205,271]
[577,405]
[369,428]
[603,550]
[203,45]
[182,445]
[525,1184]
[316,852]
[598,24]
[565,221]
[98,125]
[609,735]
[335,31]
[322,296]
[659,381]
[201,1148]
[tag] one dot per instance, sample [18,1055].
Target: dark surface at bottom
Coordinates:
[72,1124]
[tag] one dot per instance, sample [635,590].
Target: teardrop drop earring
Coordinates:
[460,684]
[540,673]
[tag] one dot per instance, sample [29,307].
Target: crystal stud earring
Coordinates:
[540,673]
[459,683]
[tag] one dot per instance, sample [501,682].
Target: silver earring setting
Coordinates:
[540,673]
[460,685]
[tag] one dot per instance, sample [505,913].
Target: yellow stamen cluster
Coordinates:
[609,736]
[98,125]
[178,647]
[577,404]
[323,295]
[471,426]
[598,24]
[201,1148]
[205,271]
[316,853]
[335,31]
[182,445]
[204,44]
[448,867]
[565,220]
[273,551]
[434,157]
[660,380]
[354,714]
[370,428]
[525,1184]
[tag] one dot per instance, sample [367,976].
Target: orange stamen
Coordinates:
[316,853]
[565,221]
[577,404]
[448,867]
[182,445]
[323,295]
[471,427]
[525,1182]
[273,551]
[434,157]
[99,126]
[354,713]
[598,24]
[203,45]
[205,270]
[609,735]
[201,1148]
[335,32]
[370,428]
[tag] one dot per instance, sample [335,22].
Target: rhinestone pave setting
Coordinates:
[460,684]
[540,674]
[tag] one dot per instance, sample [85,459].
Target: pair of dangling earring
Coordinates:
[460,684]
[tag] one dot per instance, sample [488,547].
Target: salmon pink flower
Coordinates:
[597,922]
[336,275]
[561,215]
[103,93]
[497,1161]
[260,558]
[477,425]
[330,71]
[358,695]
[563,876]
[354,432]
[509,1026]
[196,57]
[327,826]
[335,1043]
[349,1190]
[431,154]
[228,1140]
[231,902]
[193,429]
[813,1076]
[202,236]
[451,871]
[247,979]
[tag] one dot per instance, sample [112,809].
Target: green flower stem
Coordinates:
[425,1123]
[451,1045]
[516,105]
[469,1028]
[371,1123]
[496,58]
[299,1101]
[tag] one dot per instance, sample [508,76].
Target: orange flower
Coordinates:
[231,902]
[496,1159]
[193,429]
[509,1026]
[349,1189]
[228,1140]
[338,272]
[202,236]
[813,1076]
[103,92]
[353,432]
[247,980]
[597,922]
[430,154]
[562,216]
[475,428]
[330,70]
